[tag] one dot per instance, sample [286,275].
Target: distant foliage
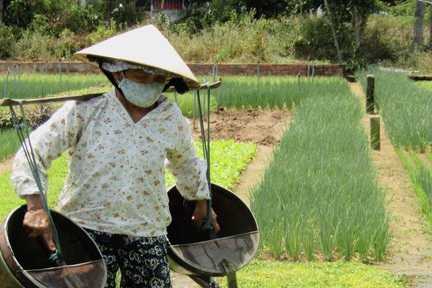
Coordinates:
[222,31]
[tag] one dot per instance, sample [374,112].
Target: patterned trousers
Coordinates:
[142,261]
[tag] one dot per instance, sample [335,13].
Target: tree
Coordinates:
[419,13]
[1,12]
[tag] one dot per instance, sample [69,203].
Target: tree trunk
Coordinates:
[83,3]
[419,13]
[108,9]
[339,54]
[357,29]
[430,27]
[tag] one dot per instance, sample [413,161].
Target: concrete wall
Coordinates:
[198,69]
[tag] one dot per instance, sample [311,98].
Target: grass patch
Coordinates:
[278,274]
[10,143]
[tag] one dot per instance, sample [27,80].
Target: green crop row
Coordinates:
[420,172]
[274,92]
[36,85]
[405,107]
[319,196]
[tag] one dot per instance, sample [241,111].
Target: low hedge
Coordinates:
[34,114]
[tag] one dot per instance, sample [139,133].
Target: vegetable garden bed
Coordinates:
[296,91]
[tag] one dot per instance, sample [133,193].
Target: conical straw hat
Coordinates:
[143,46]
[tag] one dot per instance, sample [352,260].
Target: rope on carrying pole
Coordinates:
[22,130]
[208,228]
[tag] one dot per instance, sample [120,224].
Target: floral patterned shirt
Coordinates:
[116,180]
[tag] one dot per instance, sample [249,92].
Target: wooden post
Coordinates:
[370,105]
[375,136]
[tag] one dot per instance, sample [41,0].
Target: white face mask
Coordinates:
[141,94]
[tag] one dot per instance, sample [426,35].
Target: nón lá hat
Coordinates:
[144,46]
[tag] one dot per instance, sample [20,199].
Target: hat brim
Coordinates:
[144,46]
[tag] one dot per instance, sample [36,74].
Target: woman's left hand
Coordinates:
[200,214]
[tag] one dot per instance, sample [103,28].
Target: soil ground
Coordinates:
[410,250]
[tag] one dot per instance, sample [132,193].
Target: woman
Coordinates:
[118,144]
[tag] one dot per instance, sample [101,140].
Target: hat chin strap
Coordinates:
[110,77]
[179,85]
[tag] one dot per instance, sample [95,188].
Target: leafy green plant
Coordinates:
[228,160]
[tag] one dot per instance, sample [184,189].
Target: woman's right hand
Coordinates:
[36,222]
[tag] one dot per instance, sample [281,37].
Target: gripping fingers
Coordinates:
[36,224]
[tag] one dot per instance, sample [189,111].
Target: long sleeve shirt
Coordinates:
[116,179]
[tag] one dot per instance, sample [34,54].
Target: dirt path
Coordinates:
[410,250]
[5,166]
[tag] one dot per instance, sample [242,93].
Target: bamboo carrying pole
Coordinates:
[12,102]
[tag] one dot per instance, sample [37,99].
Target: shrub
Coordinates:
[41,25]
[315,40]
[6,40]
[127,15]
[67,44]
[386,39]
[241,39]
[32,46]
[35,115]
[77,20]
[101,33]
